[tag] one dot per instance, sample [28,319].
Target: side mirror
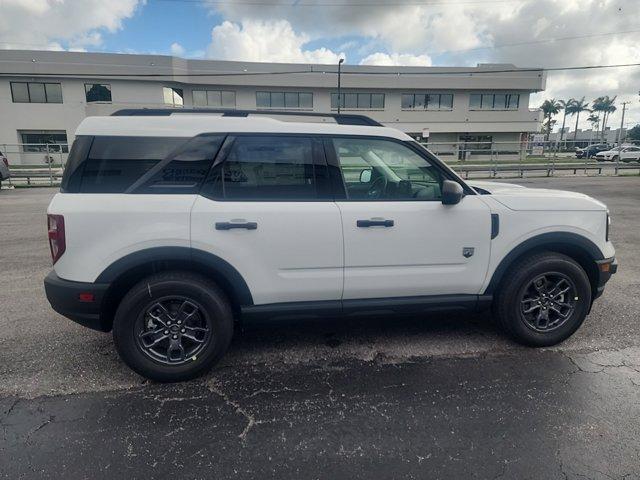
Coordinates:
[365,176]
[452,192]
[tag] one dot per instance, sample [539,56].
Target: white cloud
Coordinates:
[395,59]
[264,41]
[452,34]
[177,49]
[54,24]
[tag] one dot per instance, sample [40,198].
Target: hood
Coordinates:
[517,197]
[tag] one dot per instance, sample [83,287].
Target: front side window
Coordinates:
[378,169]
[97,92]
[173,96]
[269,168]
[285,100]
[214,98]
[36,92]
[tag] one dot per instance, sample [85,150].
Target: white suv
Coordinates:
[169,226]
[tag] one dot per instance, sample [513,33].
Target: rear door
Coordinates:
[400,240]
[267,209]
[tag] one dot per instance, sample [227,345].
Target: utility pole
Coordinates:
[339,74]
[624,108]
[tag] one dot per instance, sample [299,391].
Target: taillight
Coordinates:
[57,240]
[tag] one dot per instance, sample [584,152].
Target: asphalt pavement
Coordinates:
[441,397]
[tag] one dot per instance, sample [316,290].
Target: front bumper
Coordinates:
[606,268]
[78,301]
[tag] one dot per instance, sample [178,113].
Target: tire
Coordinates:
[517,286]
[614,158]
[197,304]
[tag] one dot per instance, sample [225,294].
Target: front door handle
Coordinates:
[230,225]
[374,222]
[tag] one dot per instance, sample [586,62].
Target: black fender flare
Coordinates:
[567,242]
[191,258]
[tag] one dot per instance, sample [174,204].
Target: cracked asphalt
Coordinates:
[440,397]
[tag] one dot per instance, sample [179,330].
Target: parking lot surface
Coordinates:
[444,397]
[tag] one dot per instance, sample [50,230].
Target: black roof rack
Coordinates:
[339,118]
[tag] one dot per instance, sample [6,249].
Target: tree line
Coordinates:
[602,106]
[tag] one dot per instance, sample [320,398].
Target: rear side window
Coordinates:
[139,164]
[269,168]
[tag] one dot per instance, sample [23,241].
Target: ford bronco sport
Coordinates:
[170,226]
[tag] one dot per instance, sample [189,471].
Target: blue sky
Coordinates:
[157,25]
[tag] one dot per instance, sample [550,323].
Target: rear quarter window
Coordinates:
[120,164]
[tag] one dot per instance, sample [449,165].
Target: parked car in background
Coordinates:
[4,168]
[627,153]
[591,151]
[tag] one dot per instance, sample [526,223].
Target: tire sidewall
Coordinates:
[139,298]
[517,325]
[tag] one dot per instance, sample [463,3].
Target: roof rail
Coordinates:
[339,118]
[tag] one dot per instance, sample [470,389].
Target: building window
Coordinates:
[97,92]
[36,92]
[214,98]
[427,101]
[494,101]
[173,96]
[286,100]
[44,140]
[358,101]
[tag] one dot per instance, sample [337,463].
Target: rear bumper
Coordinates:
[606,268]
[64,297]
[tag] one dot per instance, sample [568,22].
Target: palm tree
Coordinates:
[606,106]
[550,108]
[594,120]
[564,104]
[577,107]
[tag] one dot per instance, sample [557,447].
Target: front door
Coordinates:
[267,210]
[400,240]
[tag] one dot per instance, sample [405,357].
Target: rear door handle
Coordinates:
[374,222]
[230,225]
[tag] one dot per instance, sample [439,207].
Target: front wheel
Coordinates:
[544,299]
[173,326]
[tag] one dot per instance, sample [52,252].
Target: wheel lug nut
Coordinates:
[183,330]
[166,332]
[175,336]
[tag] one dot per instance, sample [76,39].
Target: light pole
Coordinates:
[339,74]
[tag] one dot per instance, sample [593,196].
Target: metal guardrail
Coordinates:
[43,164]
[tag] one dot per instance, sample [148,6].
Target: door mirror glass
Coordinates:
[452,192]
[365,176]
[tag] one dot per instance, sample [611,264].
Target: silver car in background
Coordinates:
[4,168]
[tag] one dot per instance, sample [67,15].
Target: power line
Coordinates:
[292,4]
[445,71]
[442,52]
[535,42]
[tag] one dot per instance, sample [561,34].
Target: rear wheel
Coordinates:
[173,326]
[544,299]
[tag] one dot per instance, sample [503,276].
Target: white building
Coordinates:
[44,95]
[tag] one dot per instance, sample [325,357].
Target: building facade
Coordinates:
[45,95]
